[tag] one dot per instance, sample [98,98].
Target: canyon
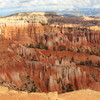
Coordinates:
[45,52]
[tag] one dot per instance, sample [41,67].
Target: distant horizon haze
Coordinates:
[8,7]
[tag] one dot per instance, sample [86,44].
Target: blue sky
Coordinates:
[12,6]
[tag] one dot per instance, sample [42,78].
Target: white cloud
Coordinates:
[31,5]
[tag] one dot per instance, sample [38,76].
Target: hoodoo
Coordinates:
[40,54]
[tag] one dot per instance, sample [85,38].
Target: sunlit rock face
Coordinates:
[44,58]
[41,17]
[52,38]
[9,94]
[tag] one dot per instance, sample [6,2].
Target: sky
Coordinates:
[12,6]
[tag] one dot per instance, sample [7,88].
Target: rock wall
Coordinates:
[40,36]
[50,70]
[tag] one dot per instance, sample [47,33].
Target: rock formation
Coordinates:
[44,58]
[6,94]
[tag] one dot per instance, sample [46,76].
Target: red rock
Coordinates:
[51,70]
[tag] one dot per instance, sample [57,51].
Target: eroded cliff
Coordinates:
[36,57]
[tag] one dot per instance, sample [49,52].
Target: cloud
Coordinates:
[43,5]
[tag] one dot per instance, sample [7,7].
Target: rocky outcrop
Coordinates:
[36,57]
[35,35]
[21,67]
[13,68]
[6,94]
[41,17]
[82,94]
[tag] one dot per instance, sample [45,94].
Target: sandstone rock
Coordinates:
[3,89]
[52,96]
[47,58]
[76,95]
[82,94]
